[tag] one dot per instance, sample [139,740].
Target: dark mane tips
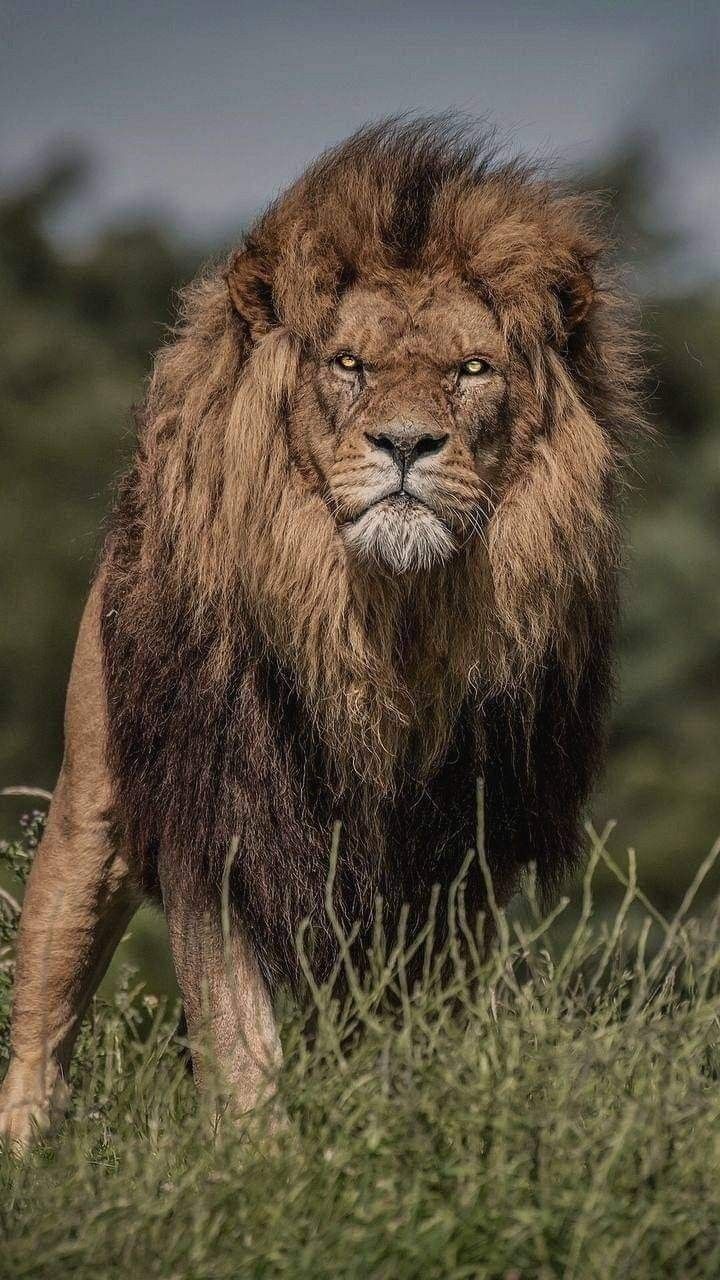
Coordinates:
[371,200]
[404,165]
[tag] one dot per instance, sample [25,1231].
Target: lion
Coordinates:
[367,553]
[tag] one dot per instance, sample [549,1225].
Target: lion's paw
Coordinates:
[20,1124]
[24,1115]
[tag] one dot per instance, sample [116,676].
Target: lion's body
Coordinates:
[205,764]
[246,762]
[261,681]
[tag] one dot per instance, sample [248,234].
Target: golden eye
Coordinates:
[473,367]
[348,362]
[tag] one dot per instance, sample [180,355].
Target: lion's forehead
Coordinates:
[439,318]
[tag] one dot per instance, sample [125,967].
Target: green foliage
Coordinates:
[665,750]
[17,854]
[665,757]
[16,857]
[76,347]
[551,1111]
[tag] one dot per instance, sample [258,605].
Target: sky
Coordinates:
[203,111]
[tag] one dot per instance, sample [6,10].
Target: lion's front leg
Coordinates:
[80,897]
[235,1046]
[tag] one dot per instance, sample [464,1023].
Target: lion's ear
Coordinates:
[576,295]
[250,285]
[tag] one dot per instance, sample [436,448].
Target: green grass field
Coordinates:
[552,1111]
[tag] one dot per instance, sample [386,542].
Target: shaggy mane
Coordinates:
[221,556]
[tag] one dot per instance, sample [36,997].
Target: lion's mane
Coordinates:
[243,656]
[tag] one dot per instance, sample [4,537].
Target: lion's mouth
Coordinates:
[401,532]
[398,500]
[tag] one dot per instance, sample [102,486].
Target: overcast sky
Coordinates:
[204,110]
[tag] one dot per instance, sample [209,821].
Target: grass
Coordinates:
[553,1111]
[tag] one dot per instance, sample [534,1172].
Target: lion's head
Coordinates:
[387,439]
[401,419]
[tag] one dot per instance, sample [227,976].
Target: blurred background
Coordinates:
[136,140]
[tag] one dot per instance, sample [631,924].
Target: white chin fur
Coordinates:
[401,537]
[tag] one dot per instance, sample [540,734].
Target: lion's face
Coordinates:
[402,420]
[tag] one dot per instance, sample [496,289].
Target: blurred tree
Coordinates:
[79,331]
[663,779]
[662,783]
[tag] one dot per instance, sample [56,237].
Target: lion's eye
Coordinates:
[347,362]
[473,367]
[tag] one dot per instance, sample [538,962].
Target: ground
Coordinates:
[553,1111]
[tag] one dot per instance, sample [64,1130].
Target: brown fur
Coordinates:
[260,680]
[336,592]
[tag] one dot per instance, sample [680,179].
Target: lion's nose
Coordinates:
[405,445]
